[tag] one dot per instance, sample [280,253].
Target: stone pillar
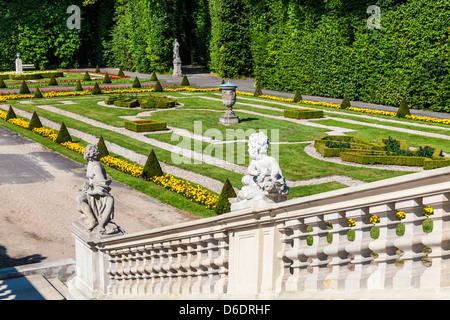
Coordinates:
[91,280]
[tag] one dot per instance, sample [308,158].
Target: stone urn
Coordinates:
[229,99]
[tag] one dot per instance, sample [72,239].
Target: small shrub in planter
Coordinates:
[145,125]
[303,114]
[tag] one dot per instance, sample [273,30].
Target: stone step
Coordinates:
[31,287]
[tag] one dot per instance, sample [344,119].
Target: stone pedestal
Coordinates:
[229,117]
[91,280]
[257,202]
[19,68]
[177,68]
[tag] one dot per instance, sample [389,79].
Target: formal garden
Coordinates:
[149,137]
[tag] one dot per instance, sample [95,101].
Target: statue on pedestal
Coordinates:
[264,184]
[94,201]
[19,67]
[176,60]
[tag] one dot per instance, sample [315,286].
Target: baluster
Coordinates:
[432,242]
[150,269]
[402,278]
[376,271]
[188,258]
[158,268]
[196,265]
[286,244]
[121,276]
[144,275]
[221,262]
[167,268]
[112,271]
[296,282]
[332,250]
[313,252]
[211,252]
[178,274]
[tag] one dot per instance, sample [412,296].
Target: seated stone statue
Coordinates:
[264,182]
[94,201]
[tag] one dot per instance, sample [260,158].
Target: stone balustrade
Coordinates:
[347,242]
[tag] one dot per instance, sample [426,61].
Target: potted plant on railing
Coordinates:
[400,228]
[427,225]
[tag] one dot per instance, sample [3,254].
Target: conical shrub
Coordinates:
[63,135]
[52,81]
[97,69]
[37,93]
[297,97]
[11,114]
[35,122]
[103,151]
[345,103]
[120,73]
[153,77]
[106,79]
[152,167]
[96,89]
[258,91]
[403,109]
[78,86]
[223,205]
[185,81]
[158,87]
[136,83]
[24,88]
[86,77]
[2,83]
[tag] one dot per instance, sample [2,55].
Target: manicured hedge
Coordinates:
[126,102]
[434,164]
[303,114]
[145,125]
[355,144]
[157,102]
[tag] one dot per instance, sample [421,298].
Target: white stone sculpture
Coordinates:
[94,201]
[264,183]
[176,60]
[19,67]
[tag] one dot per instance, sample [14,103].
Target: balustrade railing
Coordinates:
[387,235]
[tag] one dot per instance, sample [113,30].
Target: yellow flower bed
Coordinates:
[73,146]
[48,133]
[194,193]
[3,114]
[19,122]
[122,165]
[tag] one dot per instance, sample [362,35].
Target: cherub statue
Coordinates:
[94,201]
[265,178]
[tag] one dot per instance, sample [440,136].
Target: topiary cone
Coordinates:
[153,77]
[52,81]
[345,103]
[78,86]
[158,87]
[63,135]
[96,89]
[185,81]
[152,167]
[24,88]
[86,77]
[35,122]
[2,83]
[258,91]
[11,114]
[136,83]
[106,79]
[37,93]
[223,205]
[297,97]
[97,69]
[120,73]
[403,109]
[103,150]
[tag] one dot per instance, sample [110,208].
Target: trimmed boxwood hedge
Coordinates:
[381,158]
[145,125]
[303,114]
[126,102]
[355,143]
[157,102]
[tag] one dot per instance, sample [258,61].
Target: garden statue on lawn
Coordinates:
[264,184]
[94,201]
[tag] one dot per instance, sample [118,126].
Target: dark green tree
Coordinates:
[120,73]
[96,89]
[103,150]
[403,109]
[37,93]
[97,69]
[258,91]
[345,103]
[11,114]
[152,167]
[106,79]
[35,122]
[24,88]
[78,86]
[223,204]
[2,83]
[53,81]
[153,77]
[158,87]
[136,83]
[185,81]
[86,77]
[63,135]
[297,97]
